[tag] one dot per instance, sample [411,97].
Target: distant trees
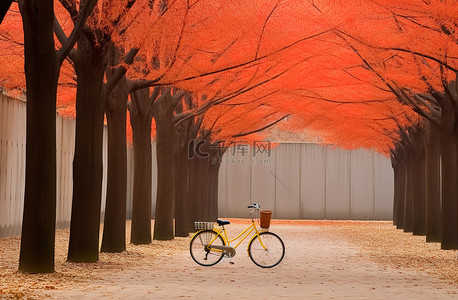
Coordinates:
[416,64]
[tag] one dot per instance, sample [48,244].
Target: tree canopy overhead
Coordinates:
[334,67]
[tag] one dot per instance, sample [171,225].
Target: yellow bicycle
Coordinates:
[209,245]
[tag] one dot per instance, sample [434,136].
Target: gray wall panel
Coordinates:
[287,181]
[263,180]
[384,188]
[313,181]
[362,185]
[333,183]
[238,183]
[337,183]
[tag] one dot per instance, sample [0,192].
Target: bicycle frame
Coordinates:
[245,233]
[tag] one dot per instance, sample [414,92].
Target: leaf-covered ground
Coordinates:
[324,260]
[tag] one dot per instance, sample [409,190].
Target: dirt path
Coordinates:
[321,262]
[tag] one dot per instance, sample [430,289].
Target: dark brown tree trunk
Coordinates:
[204,182]
[195,189]
[214,177]
[182,209]
[395,195]
[449,192]
[396,189]
[165,141]
[41,71]
[185,135]
[449,238]
[401,176]
[432,185]
[114,227]
[140,119]
[418,172]
[87,163]
[408,206]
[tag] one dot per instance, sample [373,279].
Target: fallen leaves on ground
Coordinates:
[380,240]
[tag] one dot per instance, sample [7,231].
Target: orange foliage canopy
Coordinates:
[331,66]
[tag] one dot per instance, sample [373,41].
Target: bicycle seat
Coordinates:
[223,222]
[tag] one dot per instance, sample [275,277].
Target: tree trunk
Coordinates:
[408,207]
[165,141]
[204,189]
[432,185]
[449,238]
[395,192]
[214,173]
[41,71]
[401,175]
[204,183]
[449,193]
[185,135]
[182,209]
[418,185]
[194,191]
[141,198]
[114,227]
[87,163]
[395,164]
[210,183]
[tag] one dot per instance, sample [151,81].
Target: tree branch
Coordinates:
[70,6]
[143,84]
[120,72]
[62,37]
[260,129]
[84,13]
[264,28]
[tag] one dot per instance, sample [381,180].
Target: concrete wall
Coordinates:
[308,181]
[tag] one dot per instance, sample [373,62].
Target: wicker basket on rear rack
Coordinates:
[203,225]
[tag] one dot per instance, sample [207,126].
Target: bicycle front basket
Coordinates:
[203,225]
[265,218]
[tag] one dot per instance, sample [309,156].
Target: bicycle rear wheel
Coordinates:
[272,255]
[201,253]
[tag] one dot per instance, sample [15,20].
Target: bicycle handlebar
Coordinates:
[254,205]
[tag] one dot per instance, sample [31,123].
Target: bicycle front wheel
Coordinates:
[271,255]
[201,253]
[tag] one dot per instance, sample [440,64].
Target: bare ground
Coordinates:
[324,260]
